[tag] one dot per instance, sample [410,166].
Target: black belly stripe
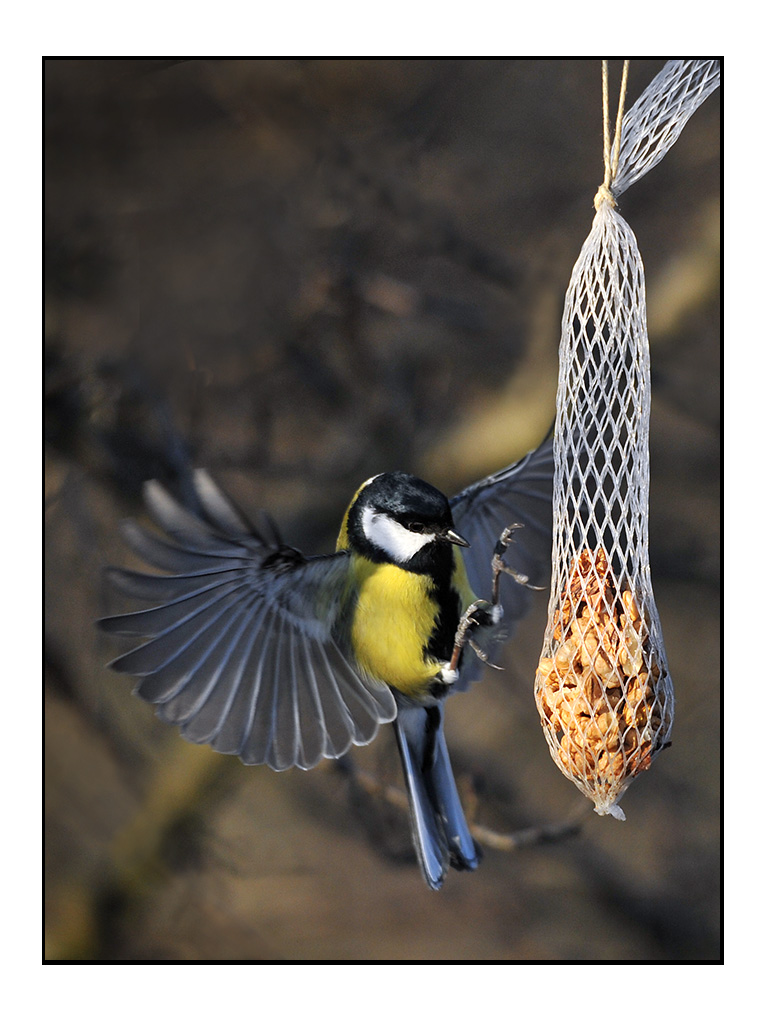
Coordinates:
[442,638]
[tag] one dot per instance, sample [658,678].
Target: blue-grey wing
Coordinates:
[518,495]
[241,653]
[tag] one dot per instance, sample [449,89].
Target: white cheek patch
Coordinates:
[394,539]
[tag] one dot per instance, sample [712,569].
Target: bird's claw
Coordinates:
[500,567]
[467,622]
[493,611]
[483,656]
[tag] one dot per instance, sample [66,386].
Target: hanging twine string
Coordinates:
[604,193]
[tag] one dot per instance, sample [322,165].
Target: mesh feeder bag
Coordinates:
[602,687]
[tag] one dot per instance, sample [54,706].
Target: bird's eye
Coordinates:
[418,527]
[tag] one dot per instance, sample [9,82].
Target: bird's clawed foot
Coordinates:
[482,614]
[479,614]
[500,567]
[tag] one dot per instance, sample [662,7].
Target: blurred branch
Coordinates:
[394,796]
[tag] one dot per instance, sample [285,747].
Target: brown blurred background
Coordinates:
[298,273]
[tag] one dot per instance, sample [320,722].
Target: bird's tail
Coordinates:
[440,832]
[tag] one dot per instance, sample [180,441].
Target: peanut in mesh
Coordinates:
[600,695]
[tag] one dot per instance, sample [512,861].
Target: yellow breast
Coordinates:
[393,618]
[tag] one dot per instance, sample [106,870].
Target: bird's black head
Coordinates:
[399,518]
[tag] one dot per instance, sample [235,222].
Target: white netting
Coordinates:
[602,687]
[655,121]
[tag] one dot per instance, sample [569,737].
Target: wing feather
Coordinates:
[184,685]
[168,588]
[169,617]
[256,746]
[518,495]
[220,510]
[206,725]
[311,720]
[241,651]
[239,719]
[165,556]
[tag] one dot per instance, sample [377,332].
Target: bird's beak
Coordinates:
[455,538]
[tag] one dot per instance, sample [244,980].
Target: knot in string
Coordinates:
[604,195]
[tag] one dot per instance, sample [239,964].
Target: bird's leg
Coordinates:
[500,567]
[467,622]
[481,612]
[477,615]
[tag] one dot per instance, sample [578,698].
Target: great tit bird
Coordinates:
[283,659]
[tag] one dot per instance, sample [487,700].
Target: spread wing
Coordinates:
[240,652]
[518,495]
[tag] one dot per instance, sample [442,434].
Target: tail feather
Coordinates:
[465,853]
[440,832]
